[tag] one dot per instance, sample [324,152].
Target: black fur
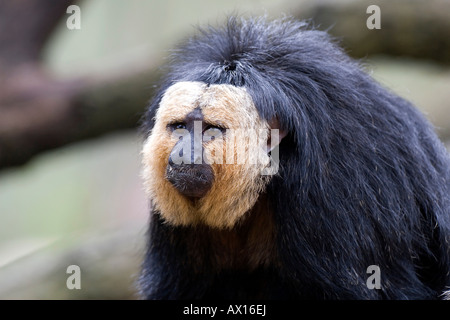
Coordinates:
[363,178]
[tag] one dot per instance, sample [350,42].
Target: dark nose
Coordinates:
[187,171]
[191,180]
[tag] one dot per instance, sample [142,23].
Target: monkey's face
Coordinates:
[205,158]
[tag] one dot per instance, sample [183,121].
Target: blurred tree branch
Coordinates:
[39,112]
[26,26]
[413,28]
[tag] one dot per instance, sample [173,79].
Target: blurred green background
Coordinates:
[83,203]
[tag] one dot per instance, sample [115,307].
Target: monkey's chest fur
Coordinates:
[247,246]
[241,262]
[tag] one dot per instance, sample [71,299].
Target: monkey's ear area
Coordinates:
[276,134]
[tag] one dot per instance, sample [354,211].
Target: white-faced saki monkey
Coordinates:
[277,168]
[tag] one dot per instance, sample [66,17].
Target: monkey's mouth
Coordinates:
[191,180]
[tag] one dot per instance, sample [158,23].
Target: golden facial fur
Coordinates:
[237,184]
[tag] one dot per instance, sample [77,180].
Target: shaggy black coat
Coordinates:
[363,178]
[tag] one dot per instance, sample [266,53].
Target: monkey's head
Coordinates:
[206,158]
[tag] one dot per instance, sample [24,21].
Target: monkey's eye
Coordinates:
[212,132]
[176,126]
[213,129]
